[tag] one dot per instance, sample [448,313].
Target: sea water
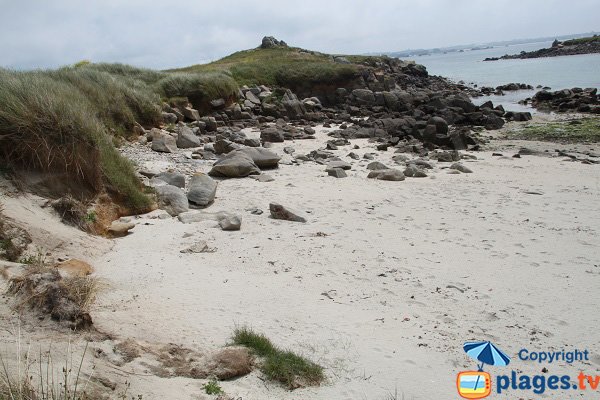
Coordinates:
[556,72]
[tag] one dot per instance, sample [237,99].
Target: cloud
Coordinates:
[36,34]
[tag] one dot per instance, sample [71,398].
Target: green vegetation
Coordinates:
[280,365]
[212,388]
[284,66]
[578,130]
[65,120]
[586,40]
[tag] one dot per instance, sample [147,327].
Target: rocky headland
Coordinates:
[567,48]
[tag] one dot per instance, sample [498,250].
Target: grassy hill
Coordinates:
[281,66]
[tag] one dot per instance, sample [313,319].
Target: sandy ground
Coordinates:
[384,283]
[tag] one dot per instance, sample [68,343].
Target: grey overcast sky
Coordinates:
[161,34]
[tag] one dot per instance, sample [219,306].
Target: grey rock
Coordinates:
[163,142]
[224,146]
[191,114]
[263,158]
[354,156]
[230,223]
[211,123]
[400,158]
[263,178]
[186,138]
[376,165]
[270,42]
[251,97]
[172,199]
[363,96]
[117,228]
[413,171]
[217,103]
[272,135]
[338,164]
[172,178]
[387,175]
[191,217]
[288,150]
[337,173]
[252,142]
[169,118]
[421,163]
[285,213]
[236,164]
[461,168]
[202,190]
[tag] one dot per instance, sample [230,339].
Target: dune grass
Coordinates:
[281,66]
[62,121]
[279,365]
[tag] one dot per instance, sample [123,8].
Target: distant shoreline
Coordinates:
[573,47]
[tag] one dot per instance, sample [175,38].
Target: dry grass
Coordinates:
[41,379]
[42,288]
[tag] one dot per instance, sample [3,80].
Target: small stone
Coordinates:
[337,173]
[287,214]
[413,171]
[230,223]
[120,228]
[200,247]
[461,168]
[263,178]
[338,164]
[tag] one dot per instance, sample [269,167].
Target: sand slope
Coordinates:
[383,284]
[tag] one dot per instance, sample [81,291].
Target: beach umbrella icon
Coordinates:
[486,353]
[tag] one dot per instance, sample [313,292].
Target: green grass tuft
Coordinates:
[280,365]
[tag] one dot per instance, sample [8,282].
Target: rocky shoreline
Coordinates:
[567,48]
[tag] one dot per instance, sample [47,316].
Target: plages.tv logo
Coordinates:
[478,384]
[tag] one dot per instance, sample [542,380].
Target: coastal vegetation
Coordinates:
[569,131]
[279,365]
[282,66]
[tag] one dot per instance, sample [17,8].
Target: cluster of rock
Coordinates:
[576,99]
[567,48]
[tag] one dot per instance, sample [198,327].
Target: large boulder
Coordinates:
[363,96]
[172,178]
[262,157]
[236,164]
[202,190]
[272,135]
[190,113]
[293,107]
[269,42]
[172,199]
[163,142]
[186,138]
